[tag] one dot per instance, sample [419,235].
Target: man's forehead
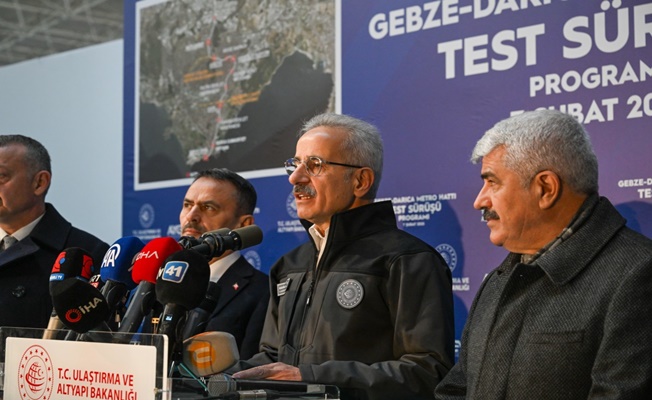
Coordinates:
[325,132]
[320,141]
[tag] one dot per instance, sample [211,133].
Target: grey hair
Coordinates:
[544,140]
[363,146]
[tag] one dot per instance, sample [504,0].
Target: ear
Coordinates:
[41,182]
[548,187]
[363,179]
[245,220]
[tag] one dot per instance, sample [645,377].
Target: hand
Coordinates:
[277,371]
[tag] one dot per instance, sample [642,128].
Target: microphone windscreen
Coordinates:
[151,258]
[80,306]
[183,279]
[73,262]
[210,353]
[248,236]
[119,259]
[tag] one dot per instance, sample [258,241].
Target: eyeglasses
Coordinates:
[313,165]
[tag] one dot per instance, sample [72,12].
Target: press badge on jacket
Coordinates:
[282,287]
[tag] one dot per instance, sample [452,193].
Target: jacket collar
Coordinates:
[52,231]
[565,261]
[50,234]
[358,222]
[351,225]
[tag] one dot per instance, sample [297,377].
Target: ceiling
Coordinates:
[37,28]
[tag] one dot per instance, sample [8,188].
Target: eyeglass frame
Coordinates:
[295,162]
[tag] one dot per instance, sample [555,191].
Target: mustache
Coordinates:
[306,190]
[488,214]
[191,225]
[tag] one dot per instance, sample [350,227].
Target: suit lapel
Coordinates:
[50,233]
[233,282]
[19,250]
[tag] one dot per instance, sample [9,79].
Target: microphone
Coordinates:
[96,281]
[80,306]
[223,386]
[214,244]
[198,317]
[249,394]
[180,286]
[188,241]
[210,353]
[73,262]
[115,273]
[148,261]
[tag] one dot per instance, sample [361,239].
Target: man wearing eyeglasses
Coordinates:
[363,305]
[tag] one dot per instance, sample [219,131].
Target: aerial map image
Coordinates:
[228,83]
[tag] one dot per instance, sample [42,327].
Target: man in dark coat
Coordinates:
[219,198]
[567,314]
[33,233]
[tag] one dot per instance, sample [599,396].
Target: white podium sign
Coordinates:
[54,369]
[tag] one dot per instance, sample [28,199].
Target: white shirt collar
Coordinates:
[23,232]
[219,267]
[320,241]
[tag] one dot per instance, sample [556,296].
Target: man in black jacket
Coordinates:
[363,306]
[33,233]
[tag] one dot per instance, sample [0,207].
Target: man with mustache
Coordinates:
[567,314]
[219,198]
[363,305]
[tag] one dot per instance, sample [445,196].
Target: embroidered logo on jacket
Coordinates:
[350,293]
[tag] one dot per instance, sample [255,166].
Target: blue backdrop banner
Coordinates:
[216,89]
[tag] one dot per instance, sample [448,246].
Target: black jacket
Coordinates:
[25,269]
[379,323]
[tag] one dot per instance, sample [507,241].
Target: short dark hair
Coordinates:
[245,192]
[36,157]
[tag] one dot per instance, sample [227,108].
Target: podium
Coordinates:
[106,365]
[111,365]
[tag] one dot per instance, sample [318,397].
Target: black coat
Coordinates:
[25,269]
[242,305]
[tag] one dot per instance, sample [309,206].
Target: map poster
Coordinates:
[227,84]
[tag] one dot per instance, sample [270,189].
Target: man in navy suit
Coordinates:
[219,198]
[36,231]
